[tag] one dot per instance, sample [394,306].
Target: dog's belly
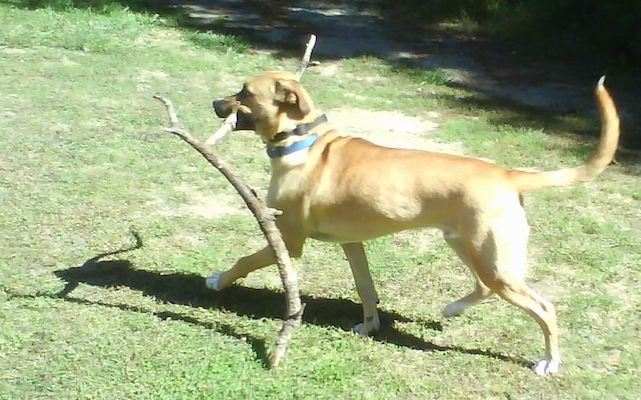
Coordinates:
[366,211]
[323,237]
[362,236]
[347,230]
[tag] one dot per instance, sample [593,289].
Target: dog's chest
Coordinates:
[286,188]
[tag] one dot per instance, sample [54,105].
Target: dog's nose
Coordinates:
[220,109]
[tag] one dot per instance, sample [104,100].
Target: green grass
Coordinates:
[84,160]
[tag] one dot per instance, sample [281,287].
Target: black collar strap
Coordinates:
[300,130]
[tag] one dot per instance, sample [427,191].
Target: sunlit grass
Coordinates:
[85,161]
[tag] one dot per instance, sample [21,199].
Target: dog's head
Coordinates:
[268,103]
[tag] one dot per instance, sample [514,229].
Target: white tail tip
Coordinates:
[601,80]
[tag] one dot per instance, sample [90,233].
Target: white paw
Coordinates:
[546,366]
[212,281]
[367,329]
[360,329]
[454,309]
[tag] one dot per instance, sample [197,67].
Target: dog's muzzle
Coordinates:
[223,107]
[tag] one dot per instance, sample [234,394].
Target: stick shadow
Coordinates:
[189,290]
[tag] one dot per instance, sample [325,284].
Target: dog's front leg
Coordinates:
[364,286]
[243,266]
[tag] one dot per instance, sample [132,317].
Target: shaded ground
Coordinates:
[347,29]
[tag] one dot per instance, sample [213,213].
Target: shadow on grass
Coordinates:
[189,290]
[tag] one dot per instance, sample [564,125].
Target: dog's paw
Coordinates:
[546,366]
[367,329]
[212,281]
[360,329]
[454,309]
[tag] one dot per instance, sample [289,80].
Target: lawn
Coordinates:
[87,312]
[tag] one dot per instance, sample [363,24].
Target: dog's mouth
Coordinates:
[245,120]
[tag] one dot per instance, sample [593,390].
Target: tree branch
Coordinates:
[305,62]
[228,126]
[265,217]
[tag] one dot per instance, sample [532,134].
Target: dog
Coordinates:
[336,188]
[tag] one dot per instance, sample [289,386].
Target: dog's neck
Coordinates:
[302,129]
[300,137]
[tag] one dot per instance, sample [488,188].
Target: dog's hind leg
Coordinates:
[456,308]
[480,292]
[543,312]
[499,257]
[364,286]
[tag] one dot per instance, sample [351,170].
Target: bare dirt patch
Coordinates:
[199,203]
[391,129]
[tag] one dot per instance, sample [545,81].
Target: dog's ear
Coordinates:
[289,91]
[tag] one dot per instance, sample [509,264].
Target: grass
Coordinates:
[84,160]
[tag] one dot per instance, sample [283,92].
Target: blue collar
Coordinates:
[280,151]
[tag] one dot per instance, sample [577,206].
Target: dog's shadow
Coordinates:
[189,290]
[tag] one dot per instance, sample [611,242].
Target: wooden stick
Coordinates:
[228,126]
[266,220]
[305,62]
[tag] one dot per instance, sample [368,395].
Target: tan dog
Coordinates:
[336,188]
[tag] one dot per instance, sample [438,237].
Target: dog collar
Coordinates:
[300,130]
[280,151]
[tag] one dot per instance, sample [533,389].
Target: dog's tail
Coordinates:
[608,142]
